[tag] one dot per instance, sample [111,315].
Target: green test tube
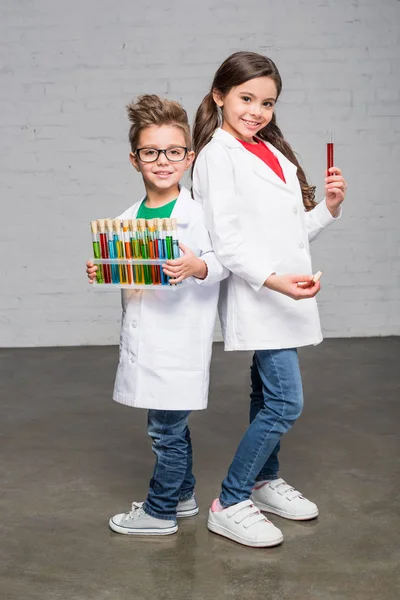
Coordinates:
[96,250]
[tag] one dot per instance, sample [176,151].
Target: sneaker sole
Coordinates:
[281,513]
[187,513]
[220,530]
[124,530]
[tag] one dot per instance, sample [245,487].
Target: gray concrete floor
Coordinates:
[72,458]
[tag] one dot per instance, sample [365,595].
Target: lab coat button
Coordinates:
[132,359]
[301,245]
[134,324]
[295,210]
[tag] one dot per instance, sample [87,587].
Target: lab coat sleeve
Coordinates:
[215,270]
[214,187]
[318,218]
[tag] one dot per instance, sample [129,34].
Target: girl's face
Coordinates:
[162,174]
[248,107]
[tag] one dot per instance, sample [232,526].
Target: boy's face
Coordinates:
[162,174]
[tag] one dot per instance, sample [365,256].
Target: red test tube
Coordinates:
[329,152]
[104,249]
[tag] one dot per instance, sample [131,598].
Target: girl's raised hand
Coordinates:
[188,265]
[335,189]
[289,286]
[91,271]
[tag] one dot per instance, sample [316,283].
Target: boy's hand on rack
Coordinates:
[188,265]
[288,285]
[91,270]
[335,190]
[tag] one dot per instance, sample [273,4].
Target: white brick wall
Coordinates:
[67,70]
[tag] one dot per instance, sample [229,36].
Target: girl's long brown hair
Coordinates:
[235,70]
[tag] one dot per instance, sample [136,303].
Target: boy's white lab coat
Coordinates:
[166,336]
[258,226]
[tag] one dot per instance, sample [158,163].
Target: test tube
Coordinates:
[111,250]
[127,248]
[104,249]
[160,248]
[119,248]
[96,250]
[168,238]
[153,251]
[175,241]
[329,152]
[137,269]
[144,248]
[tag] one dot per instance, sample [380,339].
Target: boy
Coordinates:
[166,337]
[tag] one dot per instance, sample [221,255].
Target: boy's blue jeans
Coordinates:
[172,479]
[276,403]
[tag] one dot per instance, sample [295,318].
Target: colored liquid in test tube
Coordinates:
[104,249]
[160,248]
[144,249]
[175,241]
[96,250]
[153,251]
[135,245]
[329,152]
[168,238]
[111,250]
[119,249]
[128,249]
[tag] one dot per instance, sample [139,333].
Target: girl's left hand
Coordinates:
[188,265]
[335,190]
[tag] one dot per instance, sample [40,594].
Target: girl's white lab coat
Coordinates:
[166,336]
[258,226]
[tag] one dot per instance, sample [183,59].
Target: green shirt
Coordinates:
[163,212]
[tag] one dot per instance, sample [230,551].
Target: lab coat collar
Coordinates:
[288,168]
[180,210]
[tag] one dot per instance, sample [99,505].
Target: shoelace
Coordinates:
[136,510]
[284,489]
[247,514]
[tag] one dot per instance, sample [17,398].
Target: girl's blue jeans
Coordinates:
[276,403]
[172,479]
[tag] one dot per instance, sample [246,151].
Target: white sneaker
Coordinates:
[137,522]
[245,524]
[280,498]
[187,508]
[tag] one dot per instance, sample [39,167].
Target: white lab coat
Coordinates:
[258,226]
[166,336]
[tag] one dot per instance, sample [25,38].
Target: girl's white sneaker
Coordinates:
[280,498]
[243,523]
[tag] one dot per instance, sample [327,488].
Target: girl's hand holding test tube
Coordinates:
[335,185]
[188,265]
[335,189]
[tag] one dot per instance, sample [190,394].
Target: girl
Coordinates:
[261,215]
[166,337]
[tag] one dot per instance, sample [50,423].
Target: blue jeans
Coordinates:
[276,403]
[172,479]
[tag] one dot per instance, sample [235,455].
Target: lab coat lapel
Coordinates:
[258,166]
[180,211]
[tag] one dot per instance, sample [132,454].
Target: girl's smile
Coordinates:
[247,108]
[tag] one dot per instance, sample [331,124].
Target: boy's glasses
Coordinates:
[149,155]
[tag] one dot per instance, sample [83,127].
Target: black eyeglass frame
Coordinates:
[164,151]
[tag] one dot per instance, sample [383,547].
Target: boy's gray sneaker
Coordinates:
[187,508]
[137,522]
